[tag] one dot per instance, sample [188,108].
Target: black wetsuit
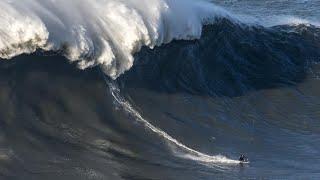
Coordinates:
[242,158]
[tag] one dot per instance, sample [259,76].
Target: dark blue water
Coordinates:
[186,110]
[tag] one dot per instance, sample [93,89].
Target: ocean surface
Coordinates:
[159,89]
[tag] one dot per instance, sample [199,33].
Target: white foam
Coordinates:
[107,32]
[183,151]
[99,32]
[288,20]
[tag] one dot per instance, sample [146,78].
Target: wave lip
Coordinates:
[18,33]
[105,33]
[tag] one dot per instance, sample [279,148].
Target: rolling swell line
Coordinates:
[187,152]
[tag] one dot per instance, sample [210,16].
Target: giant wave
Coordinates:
[100,32]
[105,32]
[241,87]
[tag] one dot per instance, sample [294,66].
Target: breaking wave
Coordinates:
[105,32]
[100,32]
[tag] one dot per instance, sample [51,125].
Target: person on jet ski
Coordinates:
[243,158]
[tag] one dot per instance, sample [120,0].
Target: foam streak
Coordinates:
[186,152]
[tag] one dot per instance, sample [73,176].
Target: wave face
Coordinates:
[201,86]
[99,32]
[229,60]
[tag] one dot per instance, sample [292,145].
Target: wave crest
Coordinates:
[100,32]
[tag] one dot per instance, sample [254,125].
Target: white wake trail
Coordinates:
[186,152]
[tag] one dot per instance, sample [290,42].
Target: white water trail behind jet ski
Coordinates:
[182,150]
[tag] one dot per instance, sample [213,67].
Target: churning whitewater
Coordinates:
[107,32]
[99,32]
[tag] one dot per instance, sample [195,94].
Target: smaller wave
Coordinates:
[185,151]
[289,20]
[275,20]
